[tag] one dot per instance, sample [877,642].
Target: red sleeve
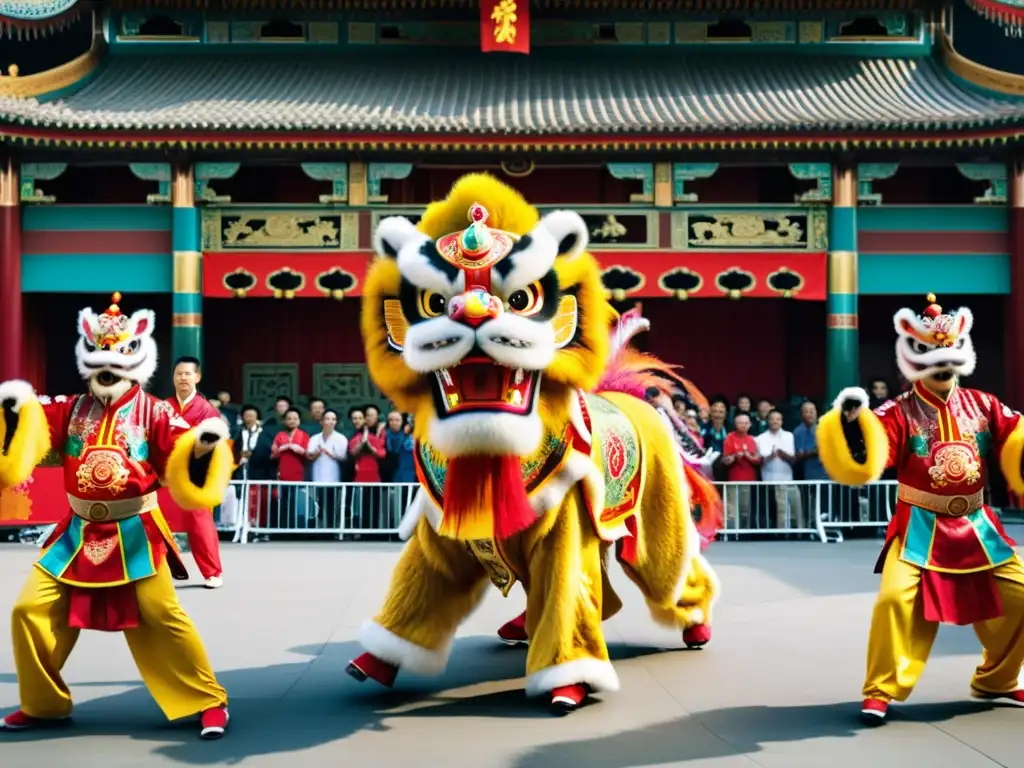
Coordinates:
[58,412]
[752,448]
[377,445]
[301,438]
[355,443]
[728,447]
[895,423]
[165,427]
[279,439]
[1002,420]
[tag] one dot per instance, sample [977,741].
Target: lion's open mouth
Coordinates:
[107,378]
[483,385]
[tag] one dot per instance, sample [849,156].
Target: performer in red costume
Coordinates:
[109,564]
[946,559]
[197,524]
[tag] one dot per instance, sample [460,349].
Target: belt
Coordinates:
[107,511]
[953,506]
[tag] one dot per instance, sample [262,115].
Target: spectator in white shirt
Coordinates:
[326,451]
[777,451]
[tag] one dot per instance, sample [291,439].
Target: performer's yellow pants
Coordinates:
[901,638]
[166,647]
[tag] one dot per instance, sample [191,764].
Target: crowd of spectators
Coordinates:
[740,443]
[312,444]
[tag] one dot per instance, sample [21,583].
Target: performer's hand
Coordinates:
[209,433]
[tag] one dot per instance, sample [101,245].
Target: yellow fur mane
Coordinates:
[578,365]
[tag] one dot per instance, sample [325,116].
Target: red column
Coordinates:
[1014,314]
[11,338]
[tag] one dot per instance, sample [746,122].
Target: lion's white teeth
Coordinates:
[519,376]
[446,375]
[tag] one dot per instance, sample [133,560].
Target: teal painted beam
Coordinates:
[933,218]
[892,274]
[842,229]
[89,273]
[96,218]
[186,229]
[187,303]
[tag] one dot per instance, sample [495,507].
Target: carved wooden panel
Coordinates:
[749,229]
[263,383]
[344,385]
[279,229]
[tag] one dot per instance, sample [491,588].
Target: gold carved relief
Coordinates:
[281,230]
[746,230]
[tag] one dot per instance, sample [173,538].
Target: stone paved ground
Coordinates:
[778,687]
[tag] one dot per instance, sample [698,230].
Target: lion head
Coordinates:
[935,346]
[484,318]
[114,351]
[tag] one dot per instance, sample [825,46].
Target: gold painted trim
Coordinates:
[10,190]
[41,83]
[357,183]
[663,185]
[183,187]
[841,322]
[844,186]
[842,272]
[941,504]
[979,74]
[188,270]
[187,320]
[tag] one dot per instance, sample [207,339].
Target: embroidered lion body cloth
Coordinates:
[489,324]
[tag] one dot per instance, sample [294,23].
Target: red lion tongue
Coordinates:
[485,498]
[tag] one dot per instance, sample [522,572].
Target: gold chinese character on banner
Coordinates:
[504,18]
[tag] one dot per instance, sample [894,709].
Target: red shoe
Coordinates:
[514,632]
[873,711]
[1012,697]
[213,723]
[697,636]
[369,666]
[19,721]
[567,698]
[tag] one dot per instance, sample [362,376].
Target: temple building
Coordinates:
[770,178]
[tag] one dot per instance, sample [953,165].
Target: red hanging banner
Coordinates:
[505,26]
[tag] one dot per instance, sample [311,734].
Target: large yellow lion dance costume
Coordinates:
[494,332]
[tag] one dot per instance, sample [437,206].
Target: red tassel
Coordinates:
[704,495]
[485,498]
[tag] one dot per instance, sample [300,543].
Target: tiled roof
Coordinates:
[547,93]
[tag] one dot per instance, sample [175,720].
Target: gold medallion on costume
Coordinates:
[96,552]
[954,463]
[102,470]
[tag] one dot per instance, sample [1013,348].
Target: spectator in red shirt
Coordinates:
[197,524]
[741,458]
[289,448]
[367,450]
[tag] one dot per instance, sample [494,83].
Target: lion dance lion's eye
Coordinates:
[527,301]
[432,304]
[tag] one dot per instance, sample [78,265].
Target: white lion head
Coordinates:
[114,352]
[934,343]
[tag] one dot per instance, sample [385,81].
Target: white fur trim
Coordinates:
[396,232]
[409,657]
[420,357]
[539,339]
[533,262]
[492,434]
[599,675]
[412,515]
[214,426]
[20,392]
[851,393]
[575,468]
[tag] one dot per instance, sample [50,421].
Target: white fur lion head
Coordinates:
[114,351]
[935,343]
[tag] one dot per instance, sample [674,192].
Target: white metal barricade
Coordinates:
[772,508]
[340,509]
